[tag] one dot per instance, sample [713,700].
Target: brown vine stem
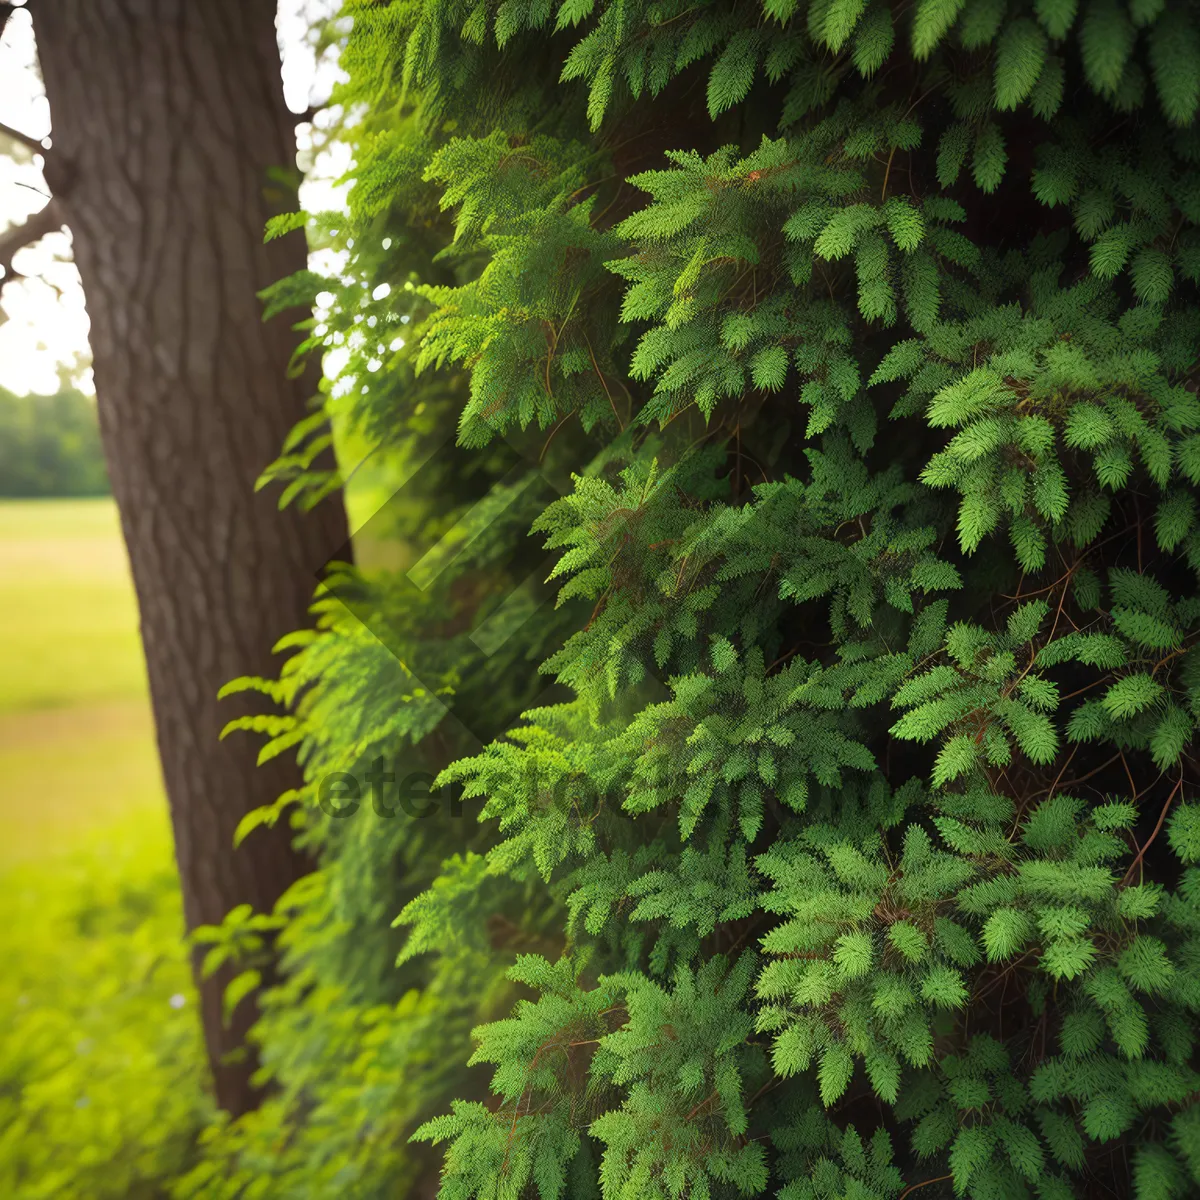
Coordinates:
[1162,816]
[924,1183]
[604,384]
[1163,661]
[553,432]
[886,176]
[1094,771]
[707,1099]
[1133,788]
[1065,578]
[1086,688]
[1058,777]
[766,1087]
[1001,978]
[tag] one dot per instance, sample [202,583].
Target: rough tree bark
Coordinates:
[166,116]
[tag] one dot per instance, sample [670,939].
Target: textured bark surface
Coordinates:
[167,115]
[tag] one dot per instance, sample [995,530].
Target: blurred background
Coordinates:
[96,1002]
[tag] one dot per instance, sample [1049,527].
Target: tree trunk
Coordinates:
[167,116]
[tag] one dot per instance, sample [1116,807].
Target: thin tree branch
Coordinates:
[924,1183]
[1162,816]
[48,220]
[26,139]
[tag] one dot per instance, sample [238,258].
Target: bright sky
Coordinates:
[43,321]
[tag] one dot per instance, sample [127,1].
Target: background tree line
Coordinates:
[50,446]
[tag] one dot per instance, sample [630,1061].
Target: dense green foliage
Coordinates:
[852,847]
[50,446]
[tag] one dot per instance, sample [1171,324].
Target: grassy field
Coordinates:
[66,593]
[76,738]
[102,1076]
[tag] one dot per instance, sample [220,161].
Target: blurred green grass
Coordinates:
[101,1062]
[102,1091]
[68,600]
[70,771]
[76,736]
